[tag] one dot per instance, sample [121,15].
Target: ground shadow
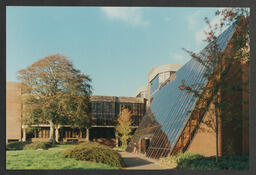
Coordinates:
[134,161]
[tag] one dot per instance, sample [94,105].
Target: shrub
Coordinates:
[92,151]
[180,157]
[37,145]
[199,162]
[16,145]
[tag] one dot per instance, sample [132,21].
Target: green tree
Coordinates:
[56,93]
[218,63]
[124,126]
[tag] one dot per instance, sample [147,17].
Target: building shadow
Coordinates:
[134,162]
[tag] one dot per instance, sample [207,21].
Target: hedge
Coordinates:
[16,145]
[37,145]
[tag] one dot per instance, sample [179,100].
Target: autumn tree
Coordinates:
[124,126]
[218,63]
[56,93]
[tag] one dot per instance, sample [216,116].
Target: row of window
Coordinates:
[106,113]
[111,107]
[64,132]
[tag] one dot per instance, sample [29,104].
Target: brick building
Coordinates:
[105,110]
[13,112]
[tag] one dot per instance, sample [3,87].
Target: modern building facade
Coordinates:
[106,109]
[158,77]
[173,122]
[104,112]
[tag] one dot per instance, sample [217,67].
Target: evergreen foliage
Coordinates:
[16,145]
[93,151]
[189,161]
[37,145]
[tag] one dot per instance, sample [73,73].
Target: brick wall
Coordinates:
[204,141]
[13,111]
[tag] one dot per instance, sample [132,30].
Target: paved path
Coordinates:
[141,162]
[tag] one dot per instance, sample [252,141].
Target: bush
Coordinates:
[180,157]
[199,162]
[92,151]
[16,145]
[37,145]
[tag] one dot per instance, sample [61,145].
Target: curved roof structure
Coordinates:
[163,68]
[141,89]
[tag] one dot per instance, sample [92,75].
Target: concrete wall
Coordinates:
[13,111]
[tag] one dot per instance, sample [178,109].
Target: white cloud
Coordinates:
[131,15]
[192,20]
[177,58]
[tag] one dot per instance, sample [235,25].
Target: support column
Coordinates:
[139,151]
[87,134]
[24,134]
[116,135]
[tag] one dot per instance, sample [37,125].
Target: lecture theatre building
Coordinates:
[176,121]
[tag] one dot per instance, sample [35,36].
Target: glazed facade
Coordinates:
[168,125]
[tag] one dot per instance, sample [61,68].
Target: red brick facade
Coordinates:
[13,111]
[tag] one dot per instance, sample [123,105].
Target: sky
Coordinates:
[115,46]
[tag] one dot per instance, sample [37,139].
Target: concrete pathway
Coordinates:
[141,162]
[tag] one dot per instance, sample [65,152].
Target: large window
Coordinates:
[43,132]
[103,113]
[154,84]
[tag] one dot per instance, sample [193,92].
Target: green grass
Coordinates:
[48,159]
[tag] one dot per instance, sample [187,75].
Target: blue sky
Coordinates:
[116,46]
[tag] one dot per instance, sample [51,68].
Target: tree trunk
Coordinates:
[52,133]
[217,134]
[57,134]
[217,140]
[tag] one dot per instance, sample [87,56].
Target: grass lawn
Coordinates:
[47,159]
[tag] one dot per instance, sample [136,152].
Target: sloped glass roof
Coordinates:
[169,111]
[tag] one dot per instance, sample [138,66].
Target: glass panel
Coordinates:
[154,84]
